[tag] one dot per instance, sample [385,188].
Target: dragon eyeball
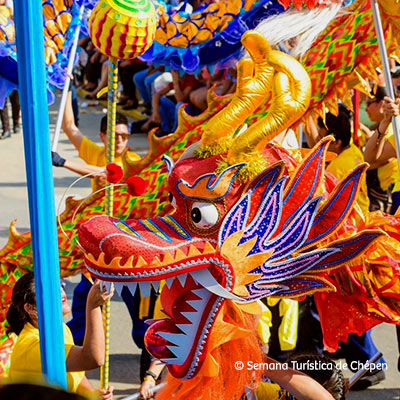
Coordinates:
[171,199]
[204,215]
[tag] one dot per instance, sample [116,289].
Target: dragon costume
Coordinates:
[246,225]
[345,50]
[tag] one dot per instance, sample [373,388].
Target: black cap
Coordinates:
[379,92]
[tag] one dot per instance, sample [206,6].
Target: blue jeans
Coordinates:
[144,84]
[169,114]
[359,348]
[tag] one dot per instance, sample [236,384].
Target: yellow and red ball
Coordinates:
[123,29]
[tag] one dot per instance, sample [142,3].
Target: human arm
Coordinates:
[145,390]
[300,385]
[152,69]
[68,124]
[85,387]
[180,95]
[91,354]
[224,88]
[156,116]
[312,134]
[81,169]
[83,41]
[378,150]
[84,169]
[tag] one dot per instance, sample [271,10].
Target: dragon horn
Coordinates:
[292,93]
[254,79]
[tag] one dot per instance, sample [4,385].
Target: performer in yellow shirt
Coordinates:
[381,147]
[93,154]
[348,155]
[25,363]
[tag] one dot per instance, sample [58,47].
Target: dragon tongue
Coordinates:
[155,344]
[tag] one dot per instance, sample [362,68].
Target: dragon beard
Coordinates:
[229,383]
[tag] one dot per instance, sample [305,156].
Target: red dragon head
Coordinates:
[243,226]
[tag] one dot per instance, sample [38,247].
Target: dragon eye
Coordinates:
[204,215]
[171,199]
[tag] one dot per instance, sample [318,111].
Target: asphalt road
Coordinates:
[124,358]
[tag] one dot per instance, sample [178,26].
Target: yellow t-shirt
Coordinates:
[343,164]
[93,154]
[387,174]
[396,176]
[25,361]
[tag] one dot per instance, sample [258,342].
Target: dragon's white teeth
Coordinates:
[156,285]
[188,329]
[145,288]
[193,317]
[182,279]
[180,353]
[168,281]
[203,294]
[205,278]
[118,287]
[175,338]
[132,287]
[196,304]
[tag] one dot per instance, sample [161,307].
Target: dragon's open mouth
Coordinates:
[193,293]
[181,340]
[197,280]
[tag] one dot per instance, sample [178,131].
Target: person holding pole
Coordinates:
[93,154]
[22,318]
[381,147]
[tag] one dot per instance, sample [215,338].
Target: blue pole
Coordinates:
[28,16]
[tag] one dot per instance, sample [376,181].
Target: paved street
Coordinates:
[124,354]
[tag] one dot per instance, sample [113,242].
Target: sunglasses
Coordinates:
[124,136]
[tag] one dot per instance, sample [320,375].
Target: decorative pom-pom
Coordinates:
[114,173]
[136,186]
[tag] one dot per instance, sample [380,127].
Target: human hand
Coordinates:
[125,63]
[156,118]
[98,295]
[57,160]
[95,57]
[175,75]
[390,108]
[146,388]
[106,394]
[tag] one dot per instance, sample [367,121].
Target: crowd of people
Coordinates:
[160,93]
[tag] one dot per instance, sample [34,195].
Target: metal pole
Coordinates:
[386,70]
[137,395]
[67,82]
[362,371]
[35,121]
